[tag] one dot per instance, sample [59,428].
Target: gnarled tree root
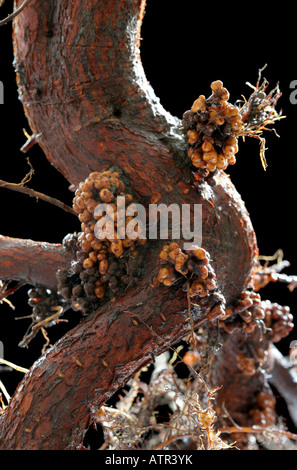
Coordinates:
[85,95]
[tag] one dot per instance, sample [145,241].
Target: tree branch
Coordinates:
[32,262]
[55,388]
[53,399]
[85,93]
[32,193]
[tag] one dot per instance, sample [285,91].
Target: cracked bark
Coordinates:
[85,94]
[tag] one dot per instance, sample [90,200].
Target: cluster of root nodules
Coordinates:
[278,320]
[167,412]
[102,268]
[249,312]
[192,267]
[212,126]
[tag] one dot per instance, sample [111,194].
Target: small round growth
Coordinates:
[107,265]
[247,365]
[262,414]
[212,126]
[42,300]
[192,264]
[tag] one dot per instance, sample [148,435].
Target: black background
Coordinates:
[185,46]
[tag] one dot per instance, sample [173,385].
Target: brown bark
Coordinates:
[84,90]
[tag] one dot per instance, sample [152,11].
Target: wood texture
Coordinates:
[83,89]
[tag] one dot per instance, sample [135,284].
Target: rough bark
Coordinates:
[31,261]
[78,68]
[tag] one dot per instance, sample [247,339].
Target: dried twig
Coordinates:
[13,366]
[190,314]
[258,112]
[31,140]
[265,274]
